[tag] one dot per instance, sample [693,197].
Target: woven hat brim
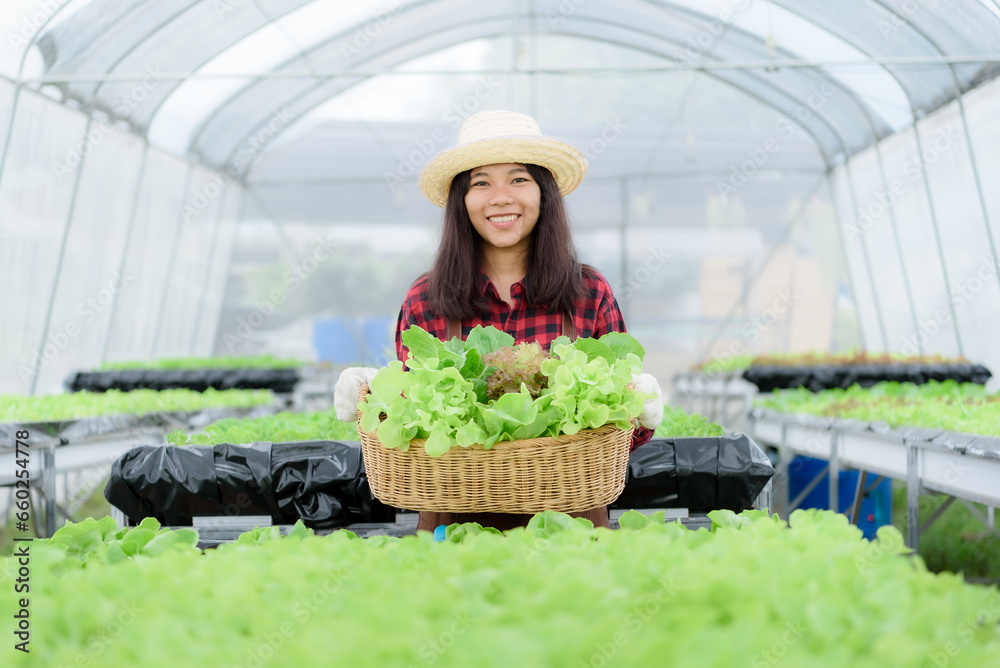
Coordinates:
[565,161]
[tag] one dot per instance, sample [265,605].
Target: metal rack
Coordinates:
[71,458]
[722,398]
[215,530]
[927,460]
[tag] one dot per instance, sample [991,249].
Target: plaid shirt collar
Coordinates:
[516,290]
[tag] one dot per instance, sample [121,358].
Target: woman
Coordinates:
[506,259]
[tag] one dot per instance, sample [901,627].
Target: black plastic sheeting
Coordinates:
[199,380]
[818,378]
[323,483]
[700,474]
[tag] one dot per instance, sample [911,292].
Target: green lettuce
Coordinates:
[443,397]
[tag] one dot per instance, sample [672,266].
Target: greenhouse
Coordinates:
[540,332]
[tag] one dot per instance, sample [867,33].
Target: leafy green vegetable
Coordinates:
[443,397]
[486,340]
[949,405]
[515,366]
[280,428]
[676,423]
[753,592]
[14,408]
[101,541]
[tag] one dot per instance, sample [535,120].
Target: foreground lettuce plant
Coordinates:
[556,594]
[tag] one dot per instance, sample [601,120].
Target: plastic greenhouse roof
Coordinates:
[297,55]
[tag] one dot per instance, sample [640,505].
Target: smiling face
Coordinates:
[503,202]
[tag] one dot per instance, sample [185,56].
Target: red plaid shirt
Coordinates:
[593,316]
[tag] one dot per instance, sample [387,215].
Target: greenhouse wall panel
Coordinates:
[190,256]
[217,270]
[156,219]
[36,200]
[970,258]
[876,233]
[982,108]
[857,258]
[91,279]
[918,239]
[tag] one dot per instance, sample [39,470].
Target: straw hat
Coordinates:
[493,137]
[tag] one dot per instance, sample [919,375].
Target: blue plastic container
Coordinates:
[876,508]
[335,341]
[355,340]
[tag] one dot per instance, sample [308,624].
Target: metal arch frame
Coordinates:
[863,108]
[162,26]
[779,91]
[417,6]
[625,27]
[19,84]
[845,37]
[707,173]
[195,136]
[661,4]
[126,52]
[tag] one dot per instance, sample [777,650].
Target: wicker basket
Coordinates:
[565,473]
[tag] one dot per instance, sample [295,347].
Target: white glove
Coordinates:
[345,394]
[652,412]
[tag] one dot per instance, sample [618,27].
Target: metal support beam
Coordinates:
[781,488]
[626,303]
[834,500]
[937,513]
[912,498]
[808,488]
[49,487]
[859,496]
[978,514]
[678,66]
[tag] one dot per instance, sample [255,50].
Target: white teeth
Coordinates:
[503,219]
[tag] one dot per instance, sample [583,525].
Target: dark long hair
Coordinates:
[554,277]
